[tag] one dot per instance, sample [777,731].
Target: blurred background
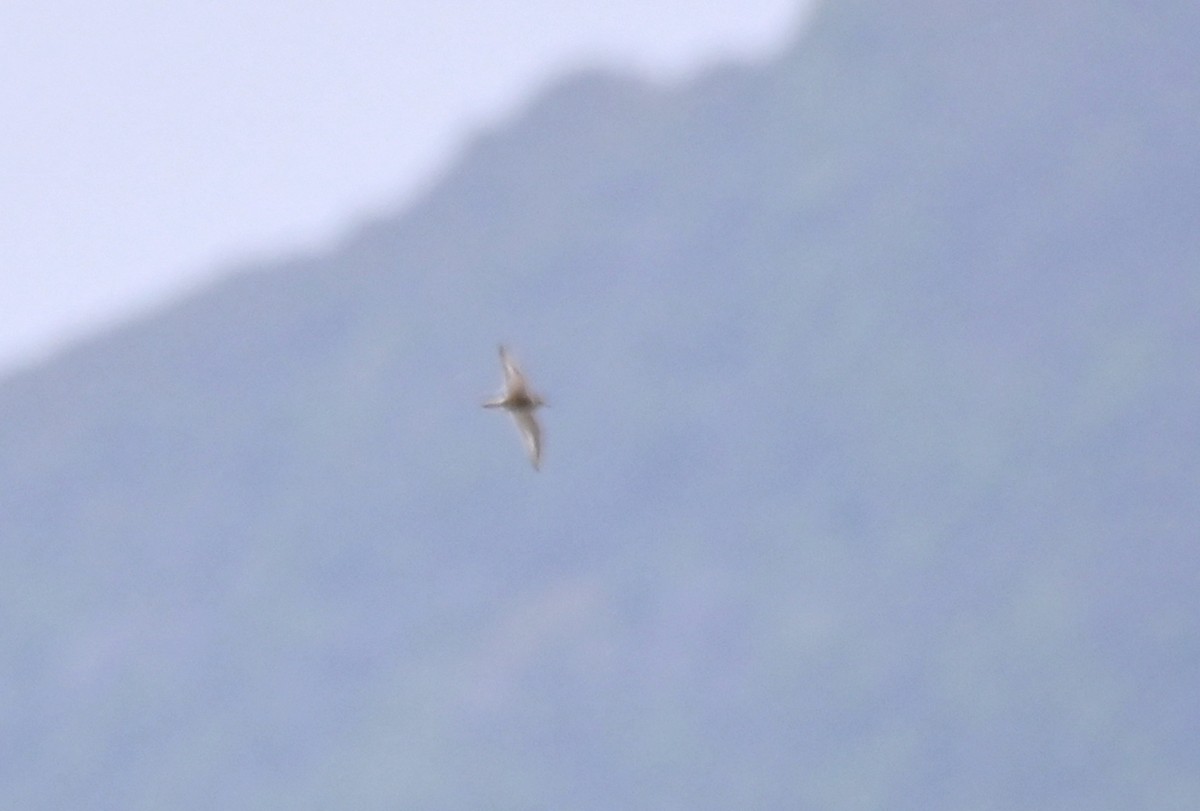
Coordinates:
[149,148]
[870,334]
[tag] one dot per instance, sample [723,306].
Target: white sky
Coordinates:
[145,145]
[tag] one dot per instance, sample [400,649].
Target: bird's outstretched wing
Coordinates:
[514,379]
[531,435]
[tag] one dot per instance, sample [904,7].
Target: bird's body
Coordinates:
[519,400]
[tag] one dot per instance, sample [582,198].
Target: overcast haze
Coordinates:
[870,473]
[149,145]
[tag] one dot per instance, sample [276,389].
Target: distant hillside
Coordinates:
[871,473]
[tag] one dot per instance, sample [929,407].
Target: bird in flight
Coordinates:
[520,401]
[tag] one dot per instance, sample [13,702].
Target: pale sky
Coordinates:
[147,145]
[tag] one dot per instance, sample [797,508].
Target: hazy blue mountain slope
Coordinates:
[870,475]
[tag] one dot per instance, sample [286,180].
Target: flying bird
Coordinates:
[520,401]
